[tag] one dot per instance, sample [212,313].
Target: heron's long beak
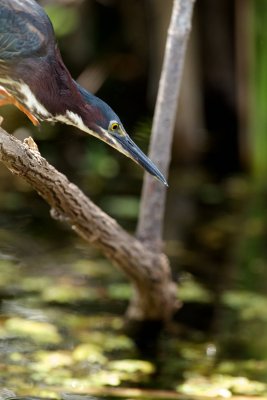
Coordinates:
[125,145]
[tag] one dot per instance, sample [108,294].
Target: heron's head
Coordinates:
[102,122]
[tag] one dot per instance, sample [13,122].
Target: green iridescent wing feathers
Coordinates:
[24,29]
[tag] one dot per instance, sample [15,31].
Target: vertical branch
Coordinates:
[153,195]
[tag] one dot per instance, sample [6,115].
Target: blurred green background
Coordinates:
[216,225]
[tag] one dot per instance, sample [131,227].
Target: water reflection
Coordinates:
[62,307]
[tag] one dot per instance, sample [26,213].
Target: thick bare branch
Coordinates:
[150,273]
[154,194]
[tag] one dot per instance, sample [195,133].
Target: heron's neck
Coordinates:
[47,90]
[45,86]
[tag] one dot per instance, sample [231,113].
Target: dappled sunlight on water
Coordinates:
[61,330]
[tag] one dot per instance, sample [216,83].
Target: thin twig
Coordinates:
[153,195]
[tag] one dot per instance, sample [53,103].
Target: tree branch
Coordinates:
[154,194]
[155,296]
[149,271]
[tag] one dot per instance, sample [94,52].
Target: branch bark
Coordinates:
[154,194]
[155,293]
[149,271]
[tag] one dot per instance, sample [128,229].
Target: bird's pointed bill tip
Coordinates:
[126,145]
[160,177]
[165,183]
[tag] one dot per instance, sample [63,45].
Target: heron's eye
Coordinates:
[114,126]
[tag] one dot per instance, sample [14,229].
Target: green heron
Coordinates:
[34,78]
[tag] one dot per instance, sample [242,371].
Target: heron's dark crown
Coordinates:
[103,113]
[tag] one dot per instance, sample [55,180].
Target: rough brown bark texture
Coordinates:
[149,271]
[155,293]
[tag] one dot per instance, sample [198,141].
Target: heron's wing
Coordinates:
[25,30]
